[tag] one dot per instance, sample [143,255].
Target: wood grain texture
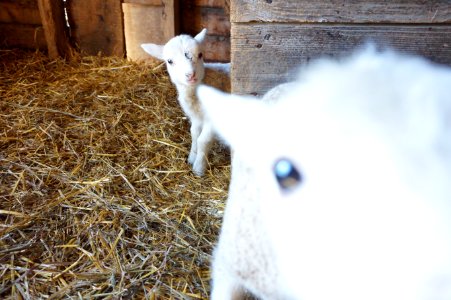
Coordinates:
[22,3]
[145,2]
[22,36]
[196,15]
[206,3]
[217,49]
[11,12]
[341,11]
[170,18]
[96,26]
[214,19]
[54,24]
[264,55]
[147,24]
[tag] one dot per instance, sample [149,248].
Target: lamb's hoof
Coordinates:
[198,169]
[191,158]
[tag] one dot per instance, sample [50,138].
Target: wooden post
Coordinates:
[54,23]
[170,18]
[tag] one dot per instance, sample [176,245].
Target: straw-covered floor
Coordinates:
[96,197]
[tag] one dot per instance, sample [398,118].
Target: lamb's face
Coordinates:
[184,60]
[348,195]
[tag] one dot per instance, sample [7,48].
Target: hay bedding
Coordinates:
[96,197]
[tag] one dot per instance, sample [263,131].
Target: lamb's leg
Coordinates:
[196,128]
[203,147]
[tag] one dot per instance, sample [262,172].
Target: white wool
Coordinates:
[371,219]
[183,55]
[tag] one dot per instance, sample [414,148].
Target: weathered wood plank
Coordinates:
[214,19]
[142,24]
[199,14]
[170,18]
[145,2]
[206,3]
[96,26]
[54,24]
[264,55]
[23,3]
[148,24]
[22,36]
[217,49]
[341,11]
[11,12]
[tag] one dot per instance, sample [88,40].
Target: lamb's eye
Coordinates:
[170,61]
[200,55]
[187,55]
[287,175]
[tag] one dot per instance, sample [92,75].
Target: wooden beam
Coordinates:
[342,11]
[170,18]
[264,55]
[54,23]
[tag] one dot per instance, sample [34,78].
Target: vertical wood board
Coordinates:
[141,25]
[264,55]
[341,11]
[148,24]
[145,2]
[210,14]
[170,18]
[11,12]
[96,26]
[217,49]
[214,19]
[22,36]
[207,3]
[53,22]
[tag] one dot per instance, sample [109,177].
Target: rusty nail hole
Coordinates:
[259,45]
[269,1]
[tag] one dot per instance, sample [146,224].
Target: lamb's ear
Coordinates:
[154,50]
[236,119]
[200,37]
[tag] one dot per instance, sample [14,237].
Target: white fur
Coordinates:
[371,219]
[183,55]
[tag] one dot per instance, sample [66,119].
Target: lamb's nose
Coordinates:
[190,76]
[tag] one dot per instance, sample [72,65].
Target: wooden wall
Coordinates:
[271,38]
[112,27]
[20,25]
[96,26]
[148,21]
[213,15]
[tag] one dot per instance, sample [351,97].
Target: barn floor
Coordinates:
[96,197]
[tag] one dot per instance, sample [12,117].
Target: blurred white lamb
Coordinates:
[183,55]
[342,188]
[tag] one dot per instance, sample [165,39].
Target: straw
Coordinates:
[96,197]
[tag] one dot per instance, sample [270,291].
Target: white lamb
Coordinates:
[183,55]
[342,188]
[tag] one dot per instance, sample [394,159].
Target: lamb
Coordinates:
[341,188]
[183,55]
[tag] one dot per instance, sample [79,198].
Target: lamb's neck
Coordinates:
[185,91]
[188,100]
